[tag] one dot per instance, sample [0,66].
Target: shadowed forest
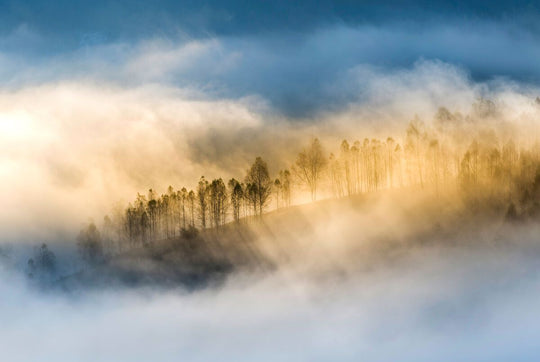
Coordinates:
[476,164]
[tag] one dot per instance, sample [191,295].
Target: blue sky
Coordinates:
[296,55]
[131,19]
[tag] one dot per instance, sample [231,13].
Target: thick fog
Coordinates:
[102,101]
[382,279]
[93,146]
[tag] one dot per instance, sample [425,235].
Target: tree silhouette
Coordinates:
[451,151]
[218,202]
[191,207]
[183,197]
[285,185]
[42,266]
[259,184]
[309,166]
[277,191]
[416,137]
[345,156]
[202,199]
[90,244]
[237,194]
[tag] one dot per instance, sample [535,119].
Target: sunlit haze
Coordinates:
[274,181]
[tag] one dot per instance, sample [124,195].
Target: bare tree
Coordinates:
[416,137]
[345,156]
[260,184]
[250,196]
[277,191]
[183,199]
[336,176]
[202,198]
[285,181]
[153,214]
[191,207]
[218,202]
[236,193]
[310,163]
[355,155]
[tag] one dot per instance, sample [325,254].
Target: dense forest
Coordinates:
[474,154]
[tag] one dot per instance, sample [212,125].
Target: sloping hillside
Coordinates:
[328,236]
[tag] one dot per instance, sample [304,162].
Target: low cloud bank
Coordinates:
[72,151]
[434,304]
[408,277]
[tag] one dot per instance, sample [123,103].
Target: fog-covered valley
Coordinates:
[392,276]
[269,181]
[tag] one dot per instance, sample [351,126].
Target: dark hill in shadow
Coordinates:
[329,236]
